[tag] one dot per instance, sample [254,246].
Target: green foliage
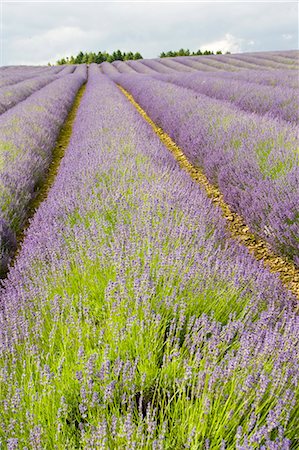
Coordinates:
[186,52]
[98,58]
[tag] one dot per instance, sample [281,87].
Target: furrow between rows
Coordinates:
[288,272]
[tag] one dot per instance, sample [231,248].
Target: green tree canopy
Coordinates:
[117,55]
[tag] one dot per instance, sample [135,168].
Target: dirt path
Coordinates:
[287,271]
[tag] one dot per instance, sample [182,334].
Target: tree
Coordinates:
[99,58]
[170,54]
[79,58]
[137,56]
[128,56]
[61,62]
[183,52]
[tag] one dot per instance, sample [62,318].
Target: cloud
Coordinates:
[44,31]
[228,43]
[287,36]
[54,42]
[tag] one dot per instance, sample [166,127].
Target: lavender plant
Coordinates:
[264,62]
[13,94]
[123,67]
[139,67]
[282,78]
[28,135]
[108,69]
[253,160]
[66,70]
[131,319]
[157,65]
[12,75]
[276,102]
[173,63]
[196,64]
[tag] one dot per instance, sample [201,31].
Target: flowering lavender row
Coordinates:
[235,64]
[15,75]
[28,134]
[122,67]
[197,64]
[68,69]
[253,160]
[13,94]
[263,62]
[290,54]
[276,102]
[81,70]
[157,65]
[182,64]
[278,58]
[130,319]
[231,63]
[215,64]
[259,61]
[108,69]
[173,63]
[140,68]
[282,78]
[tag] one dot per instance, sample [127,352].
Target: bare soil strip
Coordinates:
[288,272]
[57,155]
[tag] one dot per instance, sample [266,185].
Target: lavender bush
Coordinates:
[196,64]
[28,134]
[12,75]
[123,67]
[140,68]
[282,59]
[157,66]
[254,160]
[277,102]
[236,64]
[69,69]
[282,78]
[263,62]
[173,63]
[131,319]
[13,94]
[108,69]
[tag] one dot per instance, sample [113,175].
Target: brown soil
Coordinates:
[288,272]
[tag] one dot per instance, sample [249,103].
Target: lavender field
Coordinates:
[130,316]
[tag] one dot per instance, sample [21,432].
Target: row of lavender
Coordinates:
[253,159]
[269,62]
[14,74]
[12,94]
[287,78]
[278,101]
[28,134]
[131,319]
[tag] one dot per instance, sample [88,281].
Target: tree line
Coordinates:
[98,58]
[186,52]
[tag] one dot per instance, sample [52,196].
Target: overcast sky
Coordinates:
[39,32]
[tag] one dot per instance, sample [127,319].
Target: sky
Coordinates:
[40,32]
